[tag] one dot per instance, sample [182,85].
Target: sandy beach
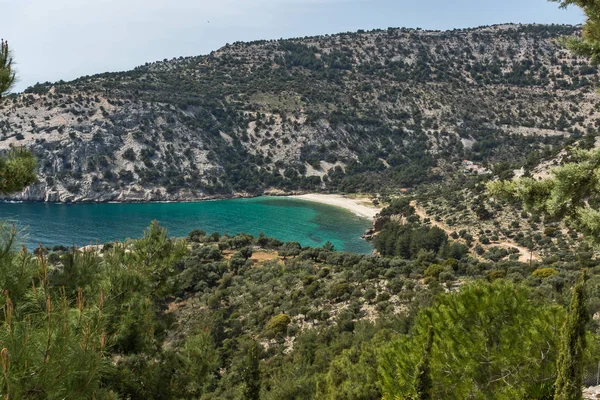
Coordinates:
[362,207]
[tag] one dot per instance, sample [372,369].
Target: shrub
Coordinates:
[543,273]
[338,289]
[496,274]
[383,297]
[370,294]
[434,271]
[458,324]
[129,154]
[395,285]
[277,325]
[196,235]
[446,277]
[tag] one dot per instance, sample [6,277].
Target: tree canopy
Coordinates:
[571,193]
[570,361]
[7,72]
[475,354]
[17,169]
[588,45]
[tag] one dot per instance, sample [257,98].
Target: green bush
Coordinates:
[277,326]
[544,273]
[338,289]
[434,270]
[462,341]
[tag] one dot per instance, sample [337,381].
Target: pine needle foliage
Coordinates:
[588,45]
[251,373]
[7,72]
[476,353]
[352,375]
[52,346]
[155,254]
[424,385]
[570,364]
[571,194]
[17,170]
[62,324]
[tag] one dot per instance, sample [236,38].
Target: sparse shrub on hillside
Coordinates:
[544,272]
[277,325]
[335,108]
[339,289]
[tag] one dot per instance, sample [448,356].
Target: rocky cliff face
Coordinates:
[357,111]
[133,193]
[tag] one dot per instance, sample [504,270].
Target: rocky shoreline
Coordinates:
[372,232]
[134,194]
[40,194]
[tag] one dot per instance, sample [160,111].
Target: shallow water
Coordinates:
[311,224]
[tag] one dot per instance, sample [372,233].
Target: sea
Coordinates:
[287,219]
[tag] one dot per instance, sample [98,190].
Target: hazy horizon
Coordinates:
[65,39]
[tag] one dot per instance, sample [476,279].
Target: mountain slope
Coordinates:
[361,111]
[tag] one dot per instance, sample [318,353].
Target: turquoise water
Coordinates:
[286,219]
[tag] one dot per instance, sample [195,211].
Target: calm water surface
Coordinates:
[309,223]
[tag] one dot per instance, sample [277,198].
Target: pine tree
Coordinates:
[7,73]
[17,170]
[355,364]
[574,188]
[251,373]
[424,384]
[569,194]
[570,360]
[475,348]
[589,43]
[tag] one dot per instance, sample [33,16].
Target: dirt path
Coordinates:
[524,255]
[258,256]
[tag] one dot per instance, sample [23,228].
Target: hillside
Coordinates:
[159,318]
[363,111]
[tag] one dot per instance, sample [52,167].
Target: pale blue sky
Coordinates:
[64,39]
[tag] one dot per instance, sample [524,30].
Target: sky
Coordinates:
[65,39]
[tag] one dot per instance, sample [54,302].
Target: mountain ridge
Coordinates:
[364,111]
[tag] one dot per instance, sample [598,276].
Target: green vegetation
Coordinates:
[573,345]
[251,373]
[7,73]
[475,354]
[407,241]
[588,45]
[571,194]
[277,325]
[218,316]
[446,309]
[494,228]
[424,383]
[17,169]
[343,113]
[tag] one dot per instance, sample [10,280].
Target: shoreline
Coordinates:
[358,206]
[361,207]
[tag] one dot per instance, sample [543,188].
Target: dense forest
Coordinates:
[213,316]
[364,111]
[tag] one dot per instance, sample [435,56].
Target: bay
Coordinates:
[287,219]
